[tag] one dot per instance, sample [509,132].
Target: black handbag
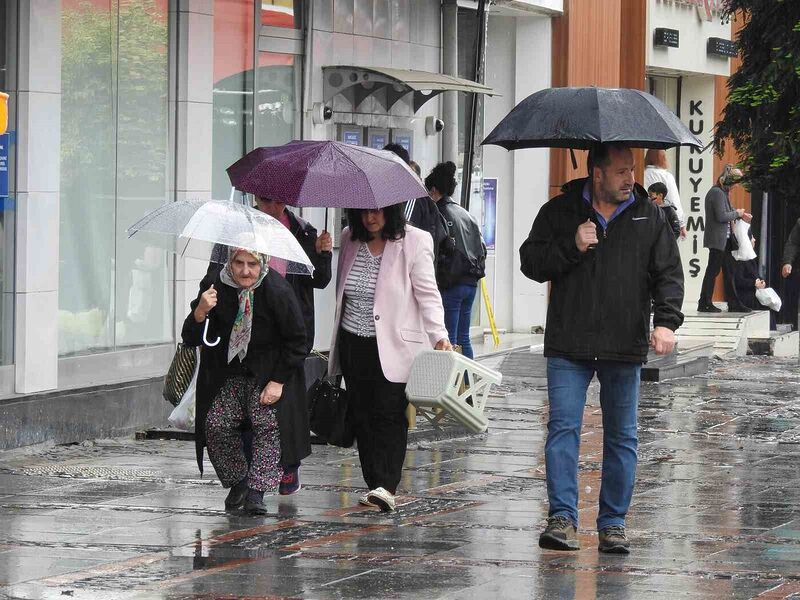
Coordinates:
[330,413]
[180,374]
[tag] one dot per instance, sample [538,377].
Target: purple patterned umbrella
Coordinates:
[326,174]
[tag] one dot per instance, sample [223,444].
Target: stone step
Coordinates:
[727,331]
[778,344]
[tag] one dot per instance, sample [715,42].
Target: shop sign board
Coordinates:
[4,144]
[489,228]
[706,9]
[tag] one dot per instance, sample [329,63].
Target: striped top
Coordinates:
[359,293]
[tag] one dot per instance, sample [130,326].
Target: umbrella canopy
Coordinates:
[326,174]
[206,229]
[581,117]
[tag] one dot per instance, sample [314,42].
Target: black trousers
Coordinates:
[720,259]
[378,409]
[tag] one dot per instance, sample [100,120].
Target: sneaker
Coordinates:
[236,496]
[613,540]
[364,500]
[382,499]
[560,534]
[290,482]
[708,308]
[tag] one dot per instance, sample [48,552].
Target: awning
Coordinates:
[387,86]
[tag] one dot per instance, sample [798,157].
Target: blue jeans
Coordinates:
[567,382]
[457,302]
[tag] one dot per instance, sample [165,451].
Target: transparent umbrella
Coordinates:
[206,229]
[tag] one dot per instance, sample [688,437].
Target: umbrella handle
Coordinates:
[205,337]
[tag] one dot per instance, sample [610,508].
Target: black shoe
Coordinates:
[236,496]
[613,540]
[560,534]
[741,308]
[254,503]
[708,308]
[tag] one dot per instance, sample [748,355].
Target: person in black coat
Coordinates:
[747,279]
[422,212]
[608,254]
[251,375]
[294,417]
[658,195]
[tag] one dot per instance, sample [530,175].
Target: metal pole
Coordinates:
[762,242]
[469,149]
[450,67]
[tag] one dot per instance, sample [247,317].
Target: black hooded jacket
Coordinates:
[600,300]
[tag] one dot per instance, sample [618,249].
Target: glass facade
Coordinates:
[7,208]
[113,293]
[281,13]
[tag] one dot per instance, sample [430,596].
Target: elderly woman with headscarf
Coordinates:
[258,360]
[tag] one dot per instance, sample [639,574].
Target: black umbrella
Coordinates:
[582,117]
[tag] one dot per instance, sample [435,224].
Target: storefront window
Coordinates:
[114,163]
[281,13]
[276,107]
[232,134]
[7,210]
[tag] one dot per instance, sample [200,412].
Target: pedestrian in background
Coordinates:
[241,379]
[388,309]
[658,194]
[421,212]
[607,253]
[747,280]
[657,171]
[294,416]
[461,262]
[718,237]
[791,288]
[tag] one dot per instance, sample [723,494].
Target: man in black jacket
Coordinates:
[422,212]
[607,252]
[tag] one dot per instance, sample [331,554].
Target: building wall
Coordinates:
[514,44]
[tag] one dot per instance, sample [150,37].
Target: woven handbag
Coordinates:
[180,373]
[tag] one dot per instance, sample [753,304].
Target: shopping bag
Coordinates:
[745,251]
[330,413]
[182,416]
[180,373]
[769,298]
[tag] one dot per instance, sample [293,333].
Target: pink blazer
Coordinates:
[408,311]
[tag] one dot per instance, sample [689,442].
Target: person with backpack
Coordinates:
[461,261]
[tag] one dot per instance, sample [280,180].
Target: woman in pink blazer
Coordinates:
[388,309]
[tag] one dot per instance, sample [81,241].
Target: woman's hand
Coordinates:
[760,284]
[271,393]
[208,300]
[443,344]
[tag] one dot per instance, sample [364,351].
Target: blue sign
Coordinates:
[404,141]
[378,141]
[352,137]
[489,211]
[5,142]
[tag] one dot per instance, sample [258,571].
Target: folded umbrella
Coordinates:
[581,117]
[326,174]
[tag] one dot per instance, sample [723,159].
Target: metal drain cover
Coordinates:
[86,472]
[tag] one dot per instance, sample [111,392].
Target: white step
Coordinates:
[728,331]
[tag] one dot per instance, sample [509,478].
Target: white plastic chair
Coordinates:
[435,387]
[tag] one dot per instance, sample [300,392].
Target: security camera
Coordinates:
[433,125]
[321,113]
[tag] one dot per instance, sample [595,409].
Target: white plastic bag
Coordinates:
[769,298]
[182,416]
[745,250]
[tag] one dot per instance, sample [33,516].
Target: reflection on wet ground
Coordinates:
[716,513]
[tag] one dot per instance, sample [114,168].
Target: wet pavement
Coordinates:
[715,514]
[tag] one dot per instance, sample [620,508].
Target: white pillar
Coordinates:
[38,184]
[193,107]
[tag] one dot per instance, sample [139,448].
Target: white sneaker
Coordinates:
[382,499]
[364,500]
